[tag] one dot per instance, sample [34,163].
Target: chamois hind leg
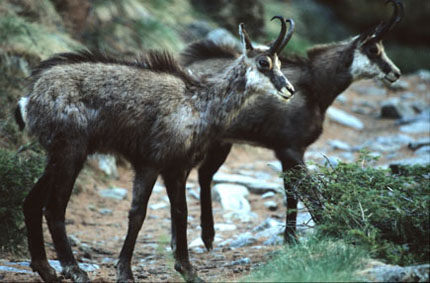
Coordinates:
[291,160]
[142,188]
[175,184]
[67,169]
[33,211]
[215,157]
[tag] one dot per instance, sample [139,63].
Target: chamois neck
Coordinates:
[223,95]
[330,65]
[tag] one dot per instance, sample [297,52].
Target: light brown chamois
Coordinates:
[289,128]
[158,116]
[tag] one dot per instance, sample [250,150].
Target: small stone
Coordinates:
[74,241]
[114,193]
[275,240]
[343,118]
[267,195]
[396,109]
[271,205]
[225,227]
[158,205]
[244,239]
[416,128]
[369,90]
[105,211]
[242,261]
[338,144]
[232,197]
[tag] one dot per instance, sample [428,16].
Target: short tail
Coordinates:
[20,112]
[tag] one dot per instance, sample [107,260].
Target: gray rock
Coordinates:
[271,205]
[396,109]
[107,163]
[254,185]
[387,143]
[424,75]
[369,90]
[114,193]
[13,269]
[274,240]
[242,216]
[343,118]
[393,273]
[242,261]
[422,87]
[225,227]
[195,195]
[419,143]
[232,197]
[74,241]
[416,127]
[342,98]
[242,240]
[88,267]
[408,95]
[223,36]
[268,195]
[158,205]
[338,144]
[421,160]
[398,85]
[423,150]
[105,211]
[275,166]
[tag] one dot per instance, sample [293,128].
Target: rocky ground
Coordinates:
[248,228]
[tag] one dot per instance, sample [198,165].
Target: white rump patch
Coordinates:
[23,102]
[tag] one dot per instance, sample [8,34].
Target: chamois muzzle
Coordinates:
[383,28]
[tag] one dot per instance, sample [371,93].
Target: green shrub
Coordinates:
[386,212]
[18,173]
[314,260]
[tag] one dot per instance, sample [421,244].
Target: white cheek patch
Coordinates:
[258,82]
[362,67]
[23,102]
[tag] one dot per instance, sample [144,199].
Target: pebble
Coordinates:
[338,144]
[242,261]
[114,193]
[271,205]
[343,118]
[158,205]
[244,239]
[232,197]
[416,128]
[267,195]
[254,185]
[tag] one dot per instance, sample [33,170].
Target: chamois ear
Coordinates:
[244,39]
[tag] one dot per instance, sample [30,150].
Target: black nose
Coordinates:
[291,89]
[397,75]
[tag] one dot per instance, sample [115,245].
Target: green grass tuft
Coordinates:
[314,260]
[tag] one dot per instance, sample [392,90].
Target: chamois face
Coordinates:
[370,60]
[263,72]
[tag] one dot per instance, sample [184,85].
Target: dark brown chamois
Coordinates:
[289,128]
[155,114]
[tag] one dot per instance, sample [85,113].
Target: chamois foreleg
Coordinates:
[67,169]
[142,188]
[215,157]
[291,159]
[175,180]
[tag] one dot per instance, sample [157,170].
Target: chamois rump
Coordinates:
[289,128]
[158,116]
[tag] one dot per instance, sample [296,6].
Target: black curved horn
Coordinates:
[274,47]
[289,34]
[397,16]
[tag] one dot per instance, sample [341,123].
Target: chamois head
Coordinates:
[263,66]
[370,59]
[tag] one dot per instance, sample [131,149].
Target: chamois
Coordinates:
[289,128]
[157,115]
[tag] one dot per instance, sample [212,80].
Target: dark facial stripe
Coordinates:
[382,64]
[277,80]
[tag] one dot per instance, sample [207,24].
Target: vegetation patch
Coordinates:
[385,211]
[18,173]
[319,259]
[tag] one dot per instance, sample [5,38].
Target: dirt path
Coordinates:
[100,223]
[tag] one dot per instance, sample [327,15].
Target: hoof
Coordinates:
[75,273]
[45,271]
[124,273]
[208,236]
[188,273]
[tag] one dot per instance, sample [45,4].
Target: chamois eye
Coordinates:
[373,50]
[264,63]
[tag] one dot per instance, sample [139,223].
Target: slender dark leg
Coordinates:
[174,180]
[291,160]
[33,211]
[215,157]
[142,188]
[67,169]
